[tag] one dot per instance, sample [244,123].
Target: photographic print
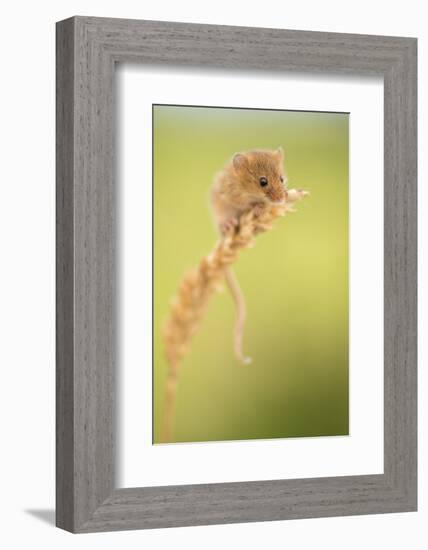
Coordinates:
[250,274]
[218,335]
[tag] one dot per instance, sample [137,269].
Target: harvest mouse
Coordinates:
[251,179]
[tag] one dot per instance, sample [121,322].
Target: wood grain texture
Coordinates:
[87,50]
[64,277]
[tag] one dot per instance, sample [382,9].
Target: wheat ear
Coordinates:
[196,287]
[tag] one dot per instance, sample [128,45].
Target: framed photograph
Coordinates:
[236,274]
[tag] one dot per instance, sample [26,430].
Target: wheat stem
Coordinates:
[196,287]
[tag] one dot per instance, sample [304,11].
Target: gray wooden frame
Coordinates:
[87,50]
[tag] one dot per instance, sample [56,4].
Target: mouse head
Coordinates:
[261,174]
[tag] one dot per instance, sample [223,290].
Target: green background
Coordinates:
[295,279]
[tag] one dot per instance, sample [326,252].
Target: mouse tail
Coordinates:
[239,300]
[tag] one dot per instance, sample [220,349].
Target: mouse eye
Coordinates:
[263,182]
[281,178]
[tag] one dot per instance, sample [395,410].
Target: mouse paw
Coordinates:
[228,225]
[258,209]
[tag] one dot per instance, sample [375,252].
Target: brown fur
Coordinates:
[236,190]
[237,187]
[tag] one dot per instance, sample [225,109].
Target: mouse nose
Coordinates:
[277,195]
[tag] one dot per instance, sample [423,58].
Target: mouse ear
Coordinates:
[280,152]
[239,161]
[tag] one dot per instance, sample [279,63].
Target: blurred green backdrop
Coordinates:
[295,280]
